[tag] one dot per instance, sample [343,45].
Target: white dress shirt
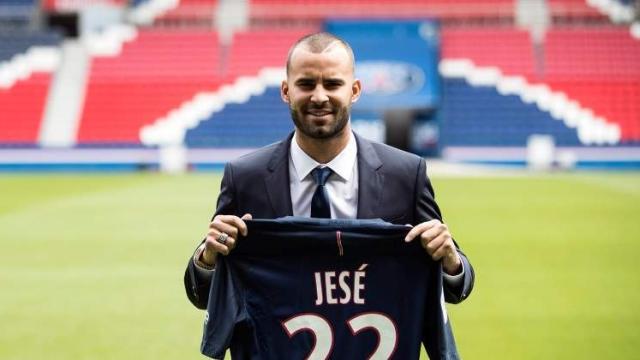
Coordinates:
[342,185]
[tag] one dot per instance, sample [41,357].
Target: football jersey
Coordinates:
[299,288]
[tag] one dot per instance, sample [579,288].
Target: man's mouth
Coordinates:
[320,112]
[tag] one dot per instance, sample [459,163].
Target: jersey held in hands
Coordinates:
[298,288]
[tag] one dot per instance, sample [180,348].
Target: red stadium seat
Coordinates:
[322,9]
[76,5]
[191,11]
[160,70]
[155,73]
[598,67]
[508,49]
[256,49]
[589,53]
[573,9]
[23,109]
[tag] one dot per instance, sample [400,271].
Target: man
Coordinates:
[366,179]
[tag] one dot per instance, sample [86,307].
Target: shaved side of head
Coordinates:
[318,43]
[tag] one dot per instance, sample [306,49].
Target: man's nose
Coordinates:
[319,95]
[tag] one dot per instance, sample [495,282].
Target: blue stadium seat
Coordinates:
[470,116]
[14,42]
[262,120]
[17,12]
[480,116]
[18,2]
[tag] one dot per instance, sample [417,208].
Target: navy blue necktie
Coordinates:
[320,201]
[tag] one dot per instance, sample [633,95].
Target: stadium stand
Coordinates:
[606,81]
[262,120]
[75,5]
[618,11]
[25,101]
[612,53]
[411,9]
[253,50]
[506,119]
[190,11]
[27,60]
[18,2]
[187,13]
[573,10]
[165,74]
[155,73]
[480,116]
[17,12]
[603,84]
[16,42]
[507,48]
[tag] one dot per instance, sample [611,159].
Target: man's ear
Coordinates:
[356,90]
[284,91]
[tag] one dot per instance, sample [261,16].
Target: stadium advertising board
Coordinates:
[396,61]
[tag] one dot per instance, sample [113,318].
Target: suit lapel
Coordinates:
[277,180]
[370,180]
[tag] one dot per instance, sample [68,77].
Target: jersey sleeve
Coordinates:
[438,337]
[226,314]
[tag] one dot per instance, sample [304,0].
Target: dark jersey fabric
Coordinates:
[269,283]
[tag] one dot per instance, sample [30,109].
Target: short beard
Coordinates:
[342,119]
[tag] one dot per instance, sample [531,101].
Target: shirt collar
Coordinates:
[342,164]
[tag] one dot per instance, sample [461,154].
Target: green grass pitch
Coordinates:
[91,266]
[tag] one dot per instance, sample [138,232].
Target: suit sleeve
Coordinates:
[197,281]
[427,209]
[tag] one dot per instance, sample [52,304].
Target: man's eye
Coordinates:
[332,85]
[306,85]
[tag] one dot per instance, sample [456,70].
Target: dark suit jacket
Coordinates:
[393,185]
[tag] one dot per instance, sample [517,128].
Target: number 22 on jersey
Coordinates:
[322,331]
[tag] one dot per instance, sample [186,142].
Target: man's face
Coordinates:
[319,90]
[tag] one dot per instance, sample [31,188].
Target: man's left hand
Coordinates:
[436,239]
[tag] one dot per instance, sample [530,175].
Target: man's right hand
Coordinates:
[228,224]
